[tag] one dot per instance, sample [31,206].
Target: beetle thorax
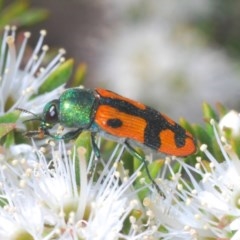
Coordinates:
[76,108]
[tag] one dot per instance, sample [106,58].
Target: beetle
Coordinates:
[108,113]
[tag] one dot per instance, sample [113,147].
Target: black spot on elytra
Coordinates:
[114,122]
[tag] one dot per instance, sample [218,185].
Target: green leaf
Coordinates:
[58,77]
[186,125]
[156,166]
[7,124]
[10,117]
[12,11]
[221,109]
[31,17]
[209,113]
[235,143]
[128,161]
[83,140]
[5,128]
[203,136]
[79,75]
[136,161]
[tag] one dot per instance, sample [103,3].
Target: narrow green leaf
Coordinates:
[12,11]
[221,109]
[9,140]
[5,128]
[235,143]
[107,147]
[10,117]
[83,140]
[186,125]
[203,136]
[60,76]
[128,161]
[136,161]
[209,113]
[31,17]
[155,167]
[79,75]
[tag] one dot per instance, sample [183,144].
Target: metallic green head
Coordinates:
[75,108]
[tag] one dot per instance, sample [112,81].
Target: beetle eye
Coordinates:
[50,112]
[51,115]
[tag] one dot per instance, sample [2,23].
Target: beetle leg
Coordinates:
[72,134]
[142,159]
[95,146]
[30,134]
[67,136]
[96,151]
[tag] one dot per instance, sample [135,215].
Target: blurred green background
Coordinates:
[172,55]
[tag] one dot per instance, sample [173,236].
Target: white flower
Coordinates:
[202,203]
[19,83]
[207,208]
[20,215]
[51,199]
[231,121]
[167,217]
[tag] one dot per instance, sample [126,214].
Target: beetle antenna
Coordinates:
[36,117]
[26,111]
[32,119]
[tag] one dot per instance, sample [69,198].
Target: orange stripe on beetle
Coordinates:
[120,124]
[168,144]
[114,96]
